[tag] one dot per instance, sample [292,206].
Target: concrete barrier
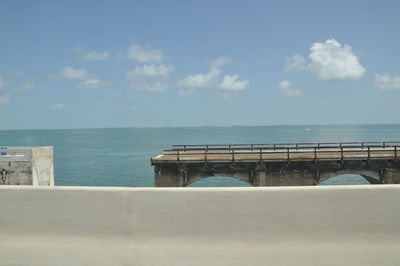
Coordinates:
[341,225]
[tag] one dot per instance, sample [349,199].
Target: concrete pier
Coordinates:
[27,166]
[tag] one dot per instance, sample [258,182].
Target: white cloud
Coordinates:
[157,86]
[205,80]
[329,61]
[86,81]
[230,83]
[150,71]
[96,56]
[220,62]
[296,62]
[73,73]
[57,106]
[91,83]
[4,99]
[145,54]
[285,88]
[186,92]
[386,81]
[200,80]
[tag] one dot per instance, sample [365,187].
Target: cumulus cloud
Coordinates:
[231,83]
[145,54]
[285,88]
[5,99]
[386,81]
[96,56]
[157,86]
[200,80]
[57,106]
[329,60]
[149,77]
[151,70]
[91,83]
[86,81]
[74,73]
[205,80]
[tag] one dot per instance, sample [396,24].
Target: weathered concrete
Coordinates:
[290,165]
[278,173]
[27,166]
[341,225]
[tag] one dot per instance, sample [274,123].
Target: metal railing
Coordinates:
[185,147]
[287,151]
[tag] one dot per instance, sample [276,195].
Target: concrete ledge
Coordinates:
[341,225]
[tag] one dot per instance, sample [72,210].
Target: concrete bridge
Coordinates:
[280,164]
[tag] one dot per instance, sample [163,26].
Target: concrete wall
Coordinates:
[342,225]
[27,166]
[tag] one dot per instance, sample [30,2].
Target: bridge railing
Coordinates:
[287,151]
[297,145]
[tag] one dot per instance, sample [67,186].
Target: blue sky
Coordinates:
[98,64]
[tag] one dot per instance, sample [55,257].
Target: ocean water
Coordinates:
[121,156]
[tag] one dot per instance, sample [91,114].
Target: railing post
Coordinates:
[341,154]
[233,157]
[288,156]
[184,147]
[383,144]
[274,146]
[251,147]
[395,152]
[261,156]
[177,158]
[205,157]
[315,155]
[369,153]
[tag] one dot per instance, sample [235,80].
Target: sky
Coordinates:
[102,64]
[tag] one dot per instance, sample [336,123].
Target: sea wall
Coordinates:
[341,225]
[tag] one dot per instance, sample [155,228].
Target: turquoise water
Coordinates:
[121,156]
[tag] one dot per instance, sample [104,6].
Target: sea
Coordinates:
[121,156]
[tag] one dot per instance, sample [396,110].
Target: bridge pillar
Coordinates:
[260,177]
[172,176]
[390,176]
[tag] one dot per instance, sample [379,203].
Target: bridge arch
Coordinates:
[240,177]
[217,181]
[371,176]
